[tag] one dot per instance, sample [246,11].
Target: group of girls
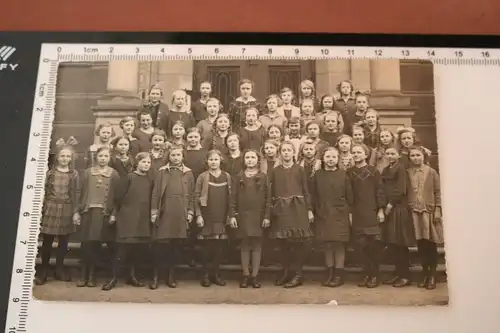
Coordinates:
[321,171]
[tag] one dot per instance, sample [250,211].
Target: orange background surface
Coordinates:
[347,16]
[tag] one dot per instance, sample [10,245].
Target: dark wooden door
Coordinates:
[269,76]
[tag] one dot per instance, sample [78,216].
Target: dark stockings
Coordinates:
[293,256]
[165,253]
[371,249]
[212,255]
[251,248]
[427,252]
[129,254]
[334,262]
[90,255]
[400,257]
[45,254]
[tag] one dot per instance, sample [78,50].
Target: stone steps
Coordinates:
[231,262]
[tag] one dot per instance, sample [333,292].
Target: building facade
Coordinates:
[92,93]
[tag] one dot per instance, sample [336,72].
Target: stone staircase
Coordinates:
[270,264]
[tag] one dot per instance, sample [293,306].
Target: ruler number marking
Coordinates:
[459,54]
[405,53]
[243,50]
[325,52]
[350,52]
[379,53]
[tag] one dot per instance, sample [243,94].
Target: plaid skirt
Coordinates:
[57,218]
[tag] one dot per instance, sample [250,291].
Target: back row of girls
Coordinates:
[147,188]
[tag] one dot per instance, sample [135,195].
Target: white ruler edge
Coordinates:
[43,115]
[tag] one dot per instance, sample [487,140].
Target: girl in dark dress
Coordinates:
[155,107]
[270,153]
[344,145]
[313,131]
[372,128]
[60,210]
[424,199]
[398,228]
[331,128]
[97,209]
[121,160]
[159,151]
[213,107]
[179,112]
[291,215]
[358,138]
[288,109]
[274,114]
[332,196]
[378,158]
[172,210]
[177,135]
[356,117]
[233,161]
[294,134]
[274,132]
[195,154]
[132,220]
[253,135]
[194,158]
[406,139]
[145,130]
[127,125]
[249,215]
[345,102]
[104,133]
[307,91]
[307,112]
[199,107]
[367,213]
[238,107]
[220,130]
[212,204]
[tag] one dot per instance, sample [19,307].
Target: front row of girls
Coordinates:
[161,197]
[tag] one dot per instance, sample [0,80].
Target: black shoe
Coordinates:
[329,276]
[392,280]
[154,281]
[110,284]
[41,277]
[92,280]
[294,282]
[283,278]
[82,282]
[402,282]
[431,283]
[365,281]
[132,280]
[373,283]
[216,279]
[61,275]
[424,283]
[244,281]
[337,281]
[205,280]
[171,282]
[254,282]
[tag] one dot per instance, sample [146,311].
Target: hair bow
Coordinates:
[400,130]
[70,142]
[359,92]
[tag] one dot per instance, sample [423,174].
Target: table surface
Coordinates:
[360,16]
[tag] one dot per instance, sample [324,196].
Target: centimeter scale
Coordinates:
[43,114]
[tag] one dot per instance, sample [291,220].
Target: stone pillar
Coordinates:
[360,75]
[175,75]
[122,97]
[385,76]
[329,73]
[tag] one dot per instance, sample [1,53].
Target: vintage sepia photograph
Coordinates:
[244,182]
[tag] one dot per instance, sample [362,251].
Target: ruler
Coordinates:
[43,115]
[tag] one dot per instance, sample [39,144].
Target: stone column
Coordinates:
[360,75]
[329,73]
[385,76]
[122,97]
[175,75]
